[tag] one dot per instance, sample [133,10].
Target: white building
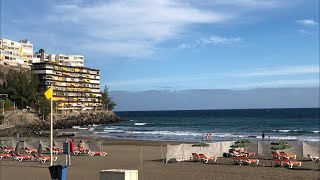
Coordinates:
[20,53]
[15,53]
[66,60]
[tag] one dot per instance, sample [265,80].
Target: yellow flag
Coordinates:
[49,93]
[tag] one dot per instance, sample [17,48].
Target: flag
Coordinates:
[49,93]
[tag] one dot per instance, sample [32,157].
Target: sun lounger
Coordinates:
[28,150]
[83,151]
[290,164]
[313,158]
[205,159]
[195,157]
[285,155]
[54,150]
[18,157]
[236,160]
[42,158]
[275,154]
[277,161]
[2,156]
[9,150]
[245,160]
[101,153]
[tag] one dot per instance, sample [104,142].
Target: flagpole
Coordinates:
[51,129]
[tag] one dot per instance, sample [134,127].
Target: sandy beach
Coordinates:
[126,154]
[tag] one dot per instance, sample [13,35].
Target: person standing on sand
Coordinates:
[263,135]
[72,146]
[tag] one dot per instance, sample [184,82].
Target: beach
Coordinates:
[126,154]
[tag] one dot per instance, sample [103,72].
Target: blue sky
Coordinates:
[174,45]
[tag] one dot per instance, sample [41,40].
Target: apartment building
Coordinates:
[68,60]
[14,53]
[74,87]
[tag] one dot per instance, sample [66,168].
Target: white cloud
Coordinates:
[132,27]
[212,40]
[220,40]
[280,71]
[309,22]
[135,28]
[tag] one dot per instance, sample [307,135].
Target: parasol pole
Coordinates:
[51,129]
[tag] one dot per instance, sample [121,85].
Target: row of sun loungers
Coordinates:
[34,157]
[282,159]
[286,162]
[284,155]
[32,154]
[202,158]
[244,160]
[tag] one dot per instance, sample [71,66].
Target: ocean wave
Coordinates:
[296,131]
[108,128]
[168,133]
[113,131]
[78,127]
[140,124]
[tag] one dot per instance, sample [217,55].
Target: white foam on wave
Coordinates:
[78,127]
[113,131]
[108,128]
[168,133]
[140,124]
[285,130]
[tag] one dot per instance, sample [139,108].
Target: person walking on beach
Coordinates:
[72,146]
[263,135]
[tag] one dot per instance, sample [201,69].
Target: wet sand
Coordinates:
[126,154]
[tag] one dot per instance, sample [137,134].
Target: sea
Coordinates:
[196,125]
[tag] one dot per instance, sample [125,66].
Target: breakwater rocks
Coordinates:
[85,118]
[61,122]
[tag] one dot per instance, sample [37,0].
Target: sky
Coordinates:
[141,45]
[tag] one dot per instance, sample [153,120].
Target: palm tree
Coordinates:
[41,52]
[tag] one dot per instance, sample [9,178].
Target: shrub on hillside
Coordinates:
[1,119]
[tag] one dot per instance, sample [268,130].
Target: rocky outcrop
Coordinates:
[62,122]
[86,118]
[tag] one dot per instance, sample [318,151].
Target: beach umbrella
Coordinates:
[240,145]
[243,141]
[279,143]
[281,147]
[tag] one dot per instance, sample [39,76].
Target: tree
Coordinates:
[21,87]
[107,102]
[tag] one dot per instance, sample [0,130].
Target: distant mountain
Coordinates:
[216,99]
